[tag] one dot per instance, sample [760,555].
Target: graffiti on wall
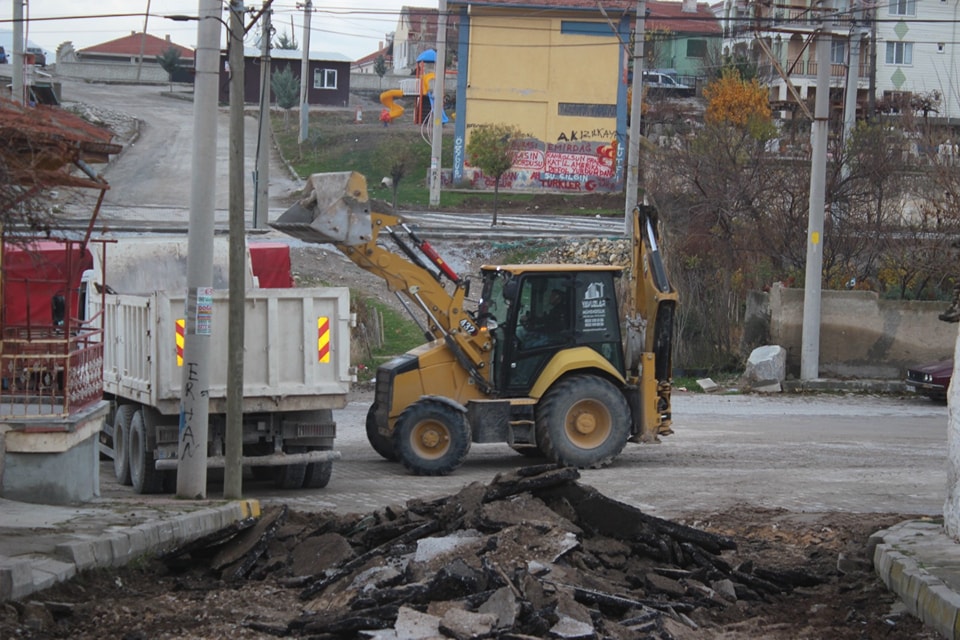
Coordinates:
[571,164]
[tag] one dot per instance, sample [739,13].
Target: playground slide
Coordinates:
[428,91]
[387,99]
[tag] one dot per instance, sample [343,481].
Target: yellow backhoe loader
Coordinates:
[555,359]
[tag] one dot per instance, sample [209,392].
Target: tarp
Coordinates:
[430,55]
[270,262]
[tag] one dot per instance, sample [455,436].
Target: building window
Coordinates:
[325,79]
[941,47]
[899,53]
[838,52]
[696,48]
[903,7]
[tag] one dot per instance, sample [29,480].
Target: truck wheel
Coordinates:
[143,473]
[431,438]
[290,476]
[583,421]
[380,443]
[121,445]
[318,475]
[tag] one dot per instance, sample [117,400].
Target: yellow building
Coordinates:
[559,72]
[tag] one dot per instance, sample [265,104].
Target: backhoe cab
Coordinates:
[552,360]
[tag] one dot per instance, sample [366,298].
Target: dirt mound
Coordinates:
[534,554]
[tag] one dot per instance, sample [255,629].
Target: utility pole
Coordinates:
[810,343]
[261,174]
[305,74]
[233,471]
[143,40]
[436,147]
[633,150]
[18,59]
[195,390]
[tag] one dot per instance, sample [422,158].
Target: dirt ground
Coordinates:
[154,600]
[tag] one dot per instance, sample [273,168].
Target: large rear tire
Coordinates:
[380,443]
[121,444]
[583,421]
[318,475]
[143,471]
[431,438]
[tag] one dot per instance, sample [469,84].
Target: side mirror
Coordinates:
[58,309]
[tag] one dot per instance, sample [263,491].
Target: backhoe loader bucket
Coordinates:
[335,210]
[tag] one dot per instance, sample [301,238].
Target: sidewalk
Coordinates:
[41,545]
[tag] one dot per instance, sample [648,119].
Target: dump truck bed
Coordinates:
[296,349]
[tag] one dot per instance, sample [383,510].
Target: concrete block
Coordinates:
[938,607]
[768,387]
[119,549]
[16,578]
[708,385]
[48,572]
[79,552]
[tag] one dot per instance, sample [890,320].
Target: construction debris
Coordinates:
[532,554]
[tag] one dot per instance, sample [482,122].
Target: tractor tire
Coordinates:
[380,443]
[583,421]
[143,472]
[121,443]
[431,438]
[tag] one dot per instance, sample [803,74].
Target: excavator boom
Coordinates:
[337,210]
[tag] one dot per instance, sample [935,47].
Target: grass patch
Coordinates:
[400,334]
[337,143]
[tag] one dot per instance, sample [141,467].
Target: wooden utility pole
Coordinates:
[305,74]
[261,174]
[233,471]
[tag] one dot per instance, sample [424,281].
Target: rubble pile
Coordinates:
[591,251]
[534,554]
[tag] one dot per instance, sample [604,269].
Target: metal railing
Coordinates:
[47,373]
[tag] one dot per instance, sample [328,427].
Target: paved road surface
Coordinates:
[854,453]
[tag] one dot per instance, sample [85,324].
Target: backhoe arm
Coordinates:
[337,210]
[650,326]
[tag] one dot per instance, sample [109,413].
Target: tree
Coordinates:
[397,158]
[380,68]
[736,101]
[492,148]
[169,61]
[286,42]
[286,87]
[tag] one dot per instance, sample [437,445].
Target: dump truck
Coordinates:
[573,384]
[132,293]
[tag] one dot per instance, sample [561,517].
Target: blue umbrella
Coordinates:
[429,55]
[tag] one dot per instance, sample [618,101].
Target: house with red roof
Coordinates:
[683,38]
[130,58]
[367,64]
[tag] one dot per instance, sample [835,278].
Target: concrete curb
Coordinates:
[118,545]
[916,560]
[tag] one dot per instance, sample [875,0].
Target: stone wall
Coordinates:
[861,335]
[111,72]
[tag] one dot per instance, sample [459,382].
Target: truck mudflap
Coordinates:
[272,460]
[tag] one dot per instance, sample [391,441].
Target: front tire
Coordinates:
[583,421]
[381,444]
[431,438]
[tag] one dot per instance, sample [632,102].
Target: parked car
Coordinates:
[658,80]
[39,57]
[931,379]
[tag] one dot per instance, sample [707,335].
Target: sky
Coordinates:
[353,28]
